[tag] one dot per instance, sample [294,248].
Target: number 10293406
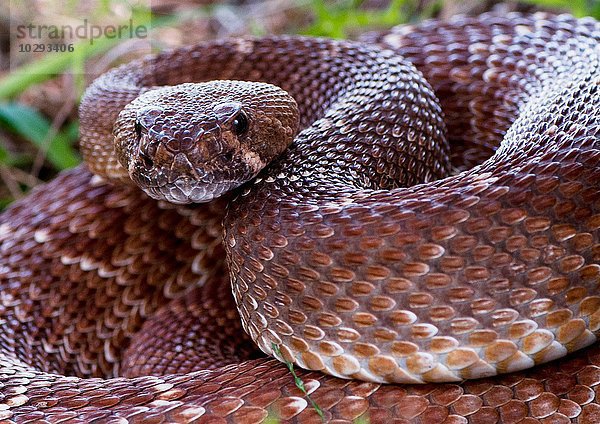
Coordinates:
[45,47]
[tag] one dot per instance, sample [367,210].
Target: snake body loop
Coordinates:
[397,239]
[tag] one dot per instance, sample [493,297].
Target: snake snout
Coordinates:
[182,166]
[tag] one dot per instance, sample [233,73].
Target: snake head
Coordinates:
[192,142]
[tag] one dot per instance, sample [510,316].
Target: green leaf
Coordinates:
[5,201]
[4,156]
[31,125]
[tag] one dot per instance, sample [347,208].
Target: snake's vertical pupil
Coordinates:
[240,124]
[138,129]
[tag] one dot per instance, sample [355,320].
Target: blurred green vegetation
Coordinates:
[23,123]
[341,19]
[577,8]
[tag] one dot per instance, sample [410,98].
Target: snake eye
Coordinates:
[240,124]
[138,129]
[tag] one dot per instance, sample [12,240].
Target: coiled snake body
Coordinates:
[391,242]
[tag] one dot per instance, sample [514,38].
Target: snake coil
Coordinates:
[369,230]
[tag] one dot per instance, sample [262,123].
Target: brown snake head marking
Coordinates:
[190,143]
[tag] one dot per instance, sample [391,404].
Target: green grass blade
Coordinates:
[31,125]
[298,381]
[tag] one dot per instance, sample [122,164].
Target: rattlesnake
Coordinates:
[393,239]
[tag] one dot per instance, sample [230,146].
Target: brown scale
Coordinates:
[200,331]
[467,271]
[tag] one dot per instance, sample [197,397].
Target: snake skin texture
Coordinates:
[397,240]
